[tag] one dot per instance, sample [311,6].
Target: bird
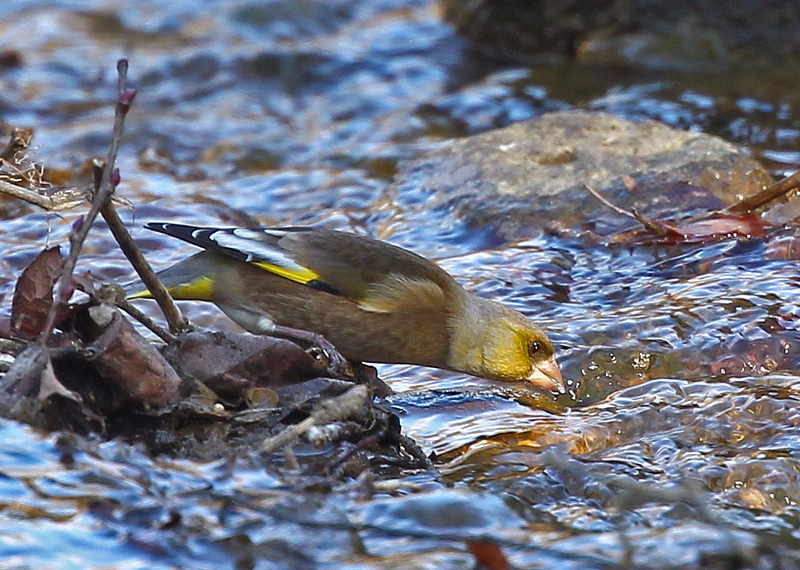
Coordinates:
[374,301]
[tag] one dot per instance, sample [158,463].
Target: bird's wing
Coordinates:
[376,275]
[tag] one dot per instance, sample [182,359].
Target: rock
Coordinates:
[654,32]
[517,179]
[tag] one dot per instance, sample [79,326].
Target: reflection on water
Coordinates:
[680,432]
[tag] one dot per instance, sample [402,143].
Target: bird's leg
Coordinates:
[320,347]
[260,322]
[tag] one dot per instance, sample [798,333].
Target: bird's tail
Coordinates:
[191,279]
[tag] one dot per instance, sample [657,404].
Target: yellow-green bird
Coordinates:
[372,300]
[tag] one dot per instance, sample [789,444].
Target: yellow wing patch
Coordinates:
[301,275]
[397,291]
[198,290]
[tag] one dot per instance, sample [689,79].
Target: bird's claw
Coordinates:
[336,364]
[320,349]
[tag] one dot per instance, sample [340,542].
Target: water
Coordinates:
[677,444]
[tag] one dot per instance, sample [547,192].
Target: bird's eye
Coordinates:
[535,346]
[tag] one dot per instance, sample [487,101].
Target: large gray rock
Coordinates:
[521,177]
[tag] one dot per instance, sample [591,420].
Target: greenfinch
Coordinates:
[373,301]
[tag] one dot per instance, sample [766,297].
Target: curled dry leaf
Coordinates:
[33,295]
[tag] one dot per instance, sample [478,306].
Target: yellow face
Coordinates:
[496,342]
[517,350]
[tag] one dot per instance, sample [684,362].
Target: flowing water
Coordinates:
[677,446]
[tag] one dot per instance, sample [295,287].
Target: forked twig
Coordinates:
[172,314]
[651,225]
[102,196]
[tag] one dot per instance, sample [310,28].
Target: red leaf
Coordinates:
[488,555]
[718,228]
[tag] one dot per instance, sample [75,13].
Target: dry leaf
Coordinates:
[33,295]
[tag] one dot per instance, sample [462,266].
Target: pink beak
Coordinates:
[547,375]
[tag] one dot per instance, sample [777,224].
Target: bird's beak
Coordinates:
[547,375]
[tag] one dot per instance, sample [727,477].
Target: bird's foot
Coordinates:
[320,349]
[336,364]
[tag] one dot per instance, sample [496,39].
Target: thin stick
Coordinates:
[146,321]
[114,294]
[172,314]
[660,229]
[58,199]
[614,207]
[31,196]
[767,195]
[335,409]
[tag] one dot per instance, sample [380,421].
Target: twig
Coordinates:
[108,182]
[653,226]
[31,196]
[767,195]
[744,206]
[61,199]
[104,173]
[146,321]
[172,314]
[614,207]
[338,408]
[113,294]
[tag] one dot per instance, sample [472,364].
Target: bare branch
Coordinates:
[26,194]
[172,314]
[614,207]
[767,195]
[653,226]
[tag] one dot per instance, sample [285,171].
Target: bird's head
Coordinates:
[502,344]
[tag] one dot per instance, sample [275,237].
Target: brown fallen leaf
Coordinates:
[710,227]
[233,364]
[33,295]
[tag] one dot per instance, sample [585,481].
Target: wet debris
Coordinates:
[85,367]
[22,177]
[33,295]
[204,394]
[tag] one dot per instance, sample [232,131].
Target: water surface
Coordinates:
[677,444]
